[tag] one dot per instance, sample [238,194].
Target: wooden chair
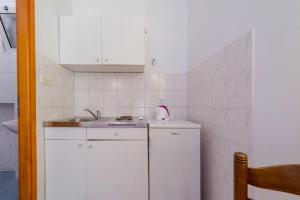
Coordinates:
[284,178]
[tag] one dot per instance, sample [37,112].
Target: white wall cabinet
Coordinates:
[102,44]
[175,164]
[123,40]
[80,40]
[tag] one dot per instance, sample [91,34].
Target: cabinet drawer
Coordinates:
[117,133]
[174,131]
[65,133]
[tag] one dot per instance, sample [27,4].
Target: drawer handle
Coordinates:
[175,133]
[80,145]
[90,146]
[116,134]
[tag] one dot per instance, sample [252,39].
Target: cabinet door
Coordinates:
[123,40]
[117,170]
[175,166]
[80,40]
[65,170]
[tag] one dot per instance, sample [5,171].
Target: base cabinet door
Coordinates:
[117,170]
[65,170]
[174,165]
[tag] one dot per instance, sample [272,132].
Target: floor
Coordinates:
[8,185]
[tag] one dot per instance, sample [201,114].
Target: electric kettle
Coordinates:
[163,113]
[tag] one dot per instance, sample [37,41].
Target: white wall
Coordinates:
[47,29]
[276,80]
[166,22]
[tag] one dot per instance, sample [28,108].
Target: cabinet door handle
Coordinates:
[173,133]
[90,146]
[116,134]
[80,145]
[97,60]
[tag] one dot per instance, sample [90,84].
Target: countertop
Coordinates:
[173,124]
[102,123]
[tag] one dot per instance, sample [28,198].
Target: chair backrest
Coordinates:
[284,178]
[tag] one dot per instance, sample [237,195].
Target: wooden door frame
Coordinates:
[26,99]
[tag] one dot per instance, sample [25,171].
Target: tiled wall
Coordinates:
[135,94]
[54,100]
[219,98]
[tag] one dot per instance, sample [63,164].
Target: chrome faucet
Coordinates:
[96,116]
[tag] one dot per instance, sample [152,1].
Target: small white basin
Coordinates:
[11,125]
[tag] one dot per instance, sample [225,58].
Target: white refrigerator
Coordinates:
[174,160]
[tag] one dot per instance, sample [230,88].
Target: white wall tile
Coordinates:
[69,79]
[172,81]
[58,75]
[151,98]
[124,99]
[109,81]
[69,112]
[124,112]
[123,81]
[138,112]
[110,98]
[82,98]
[57,95]
[95,81]
[68,97]
[240,91]
[96,99]
[110,112]
[81,81]
[239,126]
[137,98]
[179,98]
[45,96]
[151,81]
[57,113]
[137,81]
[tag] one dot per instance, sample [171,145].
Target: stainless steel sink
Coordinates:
[81,120]
[121,123]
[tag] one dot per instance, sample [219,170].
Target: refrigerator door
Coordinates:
[175,164]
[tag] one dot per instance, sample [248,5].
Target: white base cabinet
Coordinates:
[96,164]
[174,164]
[117,170]
[65,165]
